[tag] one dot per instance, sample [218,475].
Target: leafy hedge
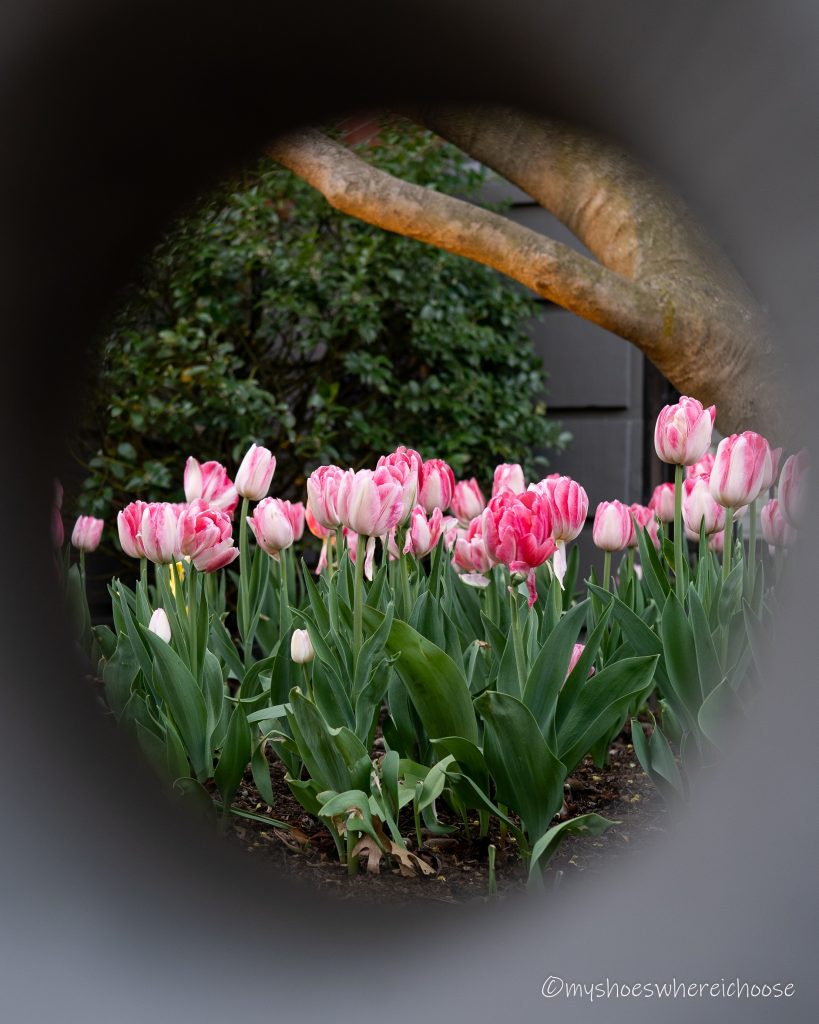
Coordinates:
[268,316]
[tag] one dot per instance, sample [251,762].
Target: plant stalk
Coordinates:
[678,534]
[517,640]
[358,597]
[728,543]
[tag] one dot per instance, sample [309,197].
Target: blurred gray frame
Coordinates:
[116,114]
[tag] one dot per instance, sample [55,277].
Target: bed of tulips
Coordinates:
[451,623]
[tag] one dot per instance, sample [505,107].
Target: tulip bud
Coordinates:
[740,466]
[682,434]
[87,533]
[613,528]
[301,647]
[662,501]
[508,477]
[160,625]
[701,468]
[644,519]
[436,487]
[776,530]
[256,473]
[272,525]
[322,495]
[698,507]
[158,532]
[467,500]
[793,485]
[577,650]
[406,465]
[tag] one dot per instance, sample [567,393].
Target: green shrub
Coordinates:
[268,316]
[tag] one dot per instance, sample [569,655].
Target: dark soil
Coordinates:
[620,792]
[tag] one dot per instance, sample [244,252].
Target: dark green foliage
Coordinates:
[268,316]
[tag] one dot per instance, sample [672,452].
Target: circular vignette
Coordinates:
[119,117]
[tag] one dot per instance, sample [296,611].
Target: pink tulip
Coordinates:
[646,519]
[716,542]
[741,464]
[569,506]
[406,466]
[87,533]
[467,500]
[517,529]
[698,507]
[159,533]
[57,528]
[613,528]
[771,469]
[209,482]
[470,554]
[577,650]
[449,531]
[701,468]
[206,536]
[297,518]
[423,534]
[272,525]
[776,530]
[129,521]
[322,495]
[370,502]
[662,500]
[683,432]
[256,473]
[351,539]
[508,477]
[436,487]
[793,485]
[314,526]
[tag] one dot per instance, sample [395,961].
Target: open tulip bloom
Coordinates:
[462,636]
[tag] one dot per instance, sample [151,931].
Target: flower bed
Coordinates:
[457,640]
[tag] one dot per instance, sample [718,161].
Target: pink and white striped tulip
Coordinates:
[701,468]
[682,434]
[406,466]
[272,525]
[645,519]
[716,542]
[423,534]
[255,474]
[209,482]
[87,533]
[436,486]
[206,536]
[370,502]
[662,501]
[322,495]
[741,464]
[297,518]
[577,650]
[793,487]
[160,625]
[613,528]
[470,554]
[467,500]
[315,527]
[158,533]
[517,530]
[351,539]
[569,506]
[771,469]
[450,528]
[698,507]
[776,530]
[129,521]
[508,477]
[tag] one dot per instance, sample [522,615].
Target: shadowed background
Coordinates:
[116,115]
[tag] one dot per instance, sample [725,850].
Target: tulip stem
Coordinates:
[728,542]
[358,597]
[307,683]
[752,547]
[339,549]
[678,534]
[284,597]
[244,597]
[606,570]
[192,617]
[143,574]
[517,640]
